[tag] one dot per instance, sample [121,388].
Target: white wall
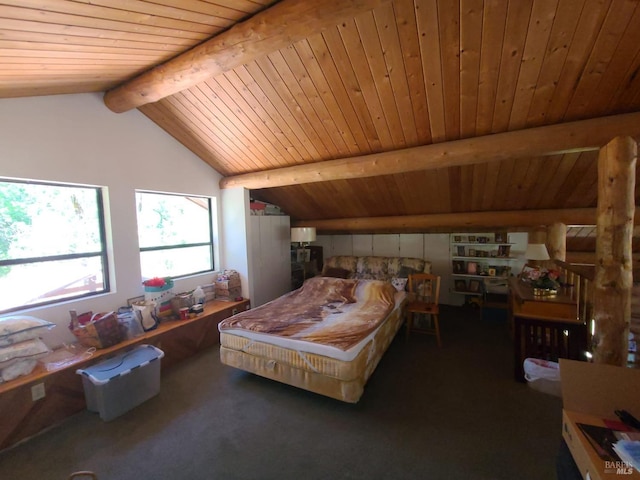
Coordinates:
[77,139]
[432,247]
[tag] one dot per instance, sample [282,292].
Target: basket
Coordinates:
[104,330]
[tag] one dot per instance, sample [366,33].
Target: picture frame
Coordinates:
[472,252]
[460,286]
[457,238]
[472,268]
[461,251]
[474,286]
[458,266]
[303,255]
[500,237]
[504,250]
[472,238]
[482,239]
[135,300]
[491,272]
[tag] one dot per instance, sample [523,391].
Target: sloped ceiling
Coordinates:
[405,73]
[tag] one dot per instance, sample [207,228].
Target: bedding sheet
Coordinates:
[332,312]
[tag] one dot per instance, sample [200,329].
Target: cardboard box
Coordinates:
[591,393]
[228,294]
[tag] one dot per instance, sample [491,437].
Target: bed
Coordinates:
[328,336]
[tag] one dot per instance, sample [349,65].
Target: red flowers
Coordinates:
[155,282]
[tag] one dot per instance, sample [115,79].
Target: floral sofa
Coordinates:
[371,267]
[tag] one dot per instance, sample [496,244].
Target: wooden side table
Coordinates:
[545,327]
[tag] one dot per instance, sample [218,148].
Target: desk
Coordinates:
[545,327]
[64,393]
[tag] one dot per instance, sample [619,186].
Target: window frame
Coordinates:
[210,243]
[102,254]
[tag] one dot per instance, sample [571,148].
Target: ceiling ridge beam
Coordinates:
[581,135]
[497,220]
[272,29]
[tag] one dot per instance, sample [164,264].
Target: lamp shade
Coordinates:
[536,251]
[303,234]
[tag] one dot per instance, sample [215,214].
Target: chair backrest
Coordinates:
[425,287]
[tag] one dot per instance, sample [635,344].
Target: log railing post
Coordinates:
[614,275]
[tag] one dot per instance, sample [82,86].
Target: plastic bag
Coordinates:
[535,368]
[543,375]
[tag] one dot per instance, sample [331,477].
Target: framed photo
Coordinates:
[472,238]
[131,301]
[494,253]
[303,255]
[491,272]
[460,286]
[472,252]
[457,238]
[474,286]
[458,266]
[482,239]
[461,251]
[500,237]
[472,268]
[503,250]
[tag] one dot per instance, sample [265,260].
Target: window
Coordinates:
[175,234]
[52,243]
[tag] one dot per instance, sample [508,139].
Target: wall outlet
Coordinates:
[37,392]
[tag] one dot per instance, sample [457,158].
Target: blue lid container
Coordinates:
[122,364]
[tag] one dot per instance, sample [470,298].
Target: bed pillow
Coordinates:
[336,272]
[20,328]
[30,349]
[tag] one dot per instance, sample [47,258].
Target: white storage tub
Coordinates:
[123,382]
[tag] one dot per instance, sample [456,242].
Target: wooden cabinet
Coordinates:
[545,327]
[301,270]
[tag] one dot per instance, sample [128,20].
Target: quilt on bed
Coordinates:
[330,311]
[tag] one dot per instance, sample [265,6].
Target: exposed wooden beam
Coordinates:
[453,221]
[576,136]
[283,24]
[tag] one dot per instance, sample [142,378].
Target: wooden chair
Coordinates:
[424,293]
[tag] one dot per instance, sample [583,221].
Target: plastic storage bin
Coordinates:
[123,382]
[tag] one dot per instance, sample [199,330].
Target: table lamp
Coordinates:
[303,236]
[535,253]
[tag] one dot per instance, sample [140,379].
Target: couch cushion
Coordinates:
[372,268]
[345,262]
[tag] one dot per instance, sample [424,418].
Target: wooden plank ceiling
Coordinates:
[404,74]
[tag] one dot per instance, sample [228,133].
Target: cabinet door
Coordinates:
[270,242]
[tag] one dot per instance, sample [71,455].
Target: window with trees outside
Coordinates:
[52,243]
[175,234]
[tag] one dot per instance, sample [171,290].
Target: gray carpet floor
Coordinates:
[427,413]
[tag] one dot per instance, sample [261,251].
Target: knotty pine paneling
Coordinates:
[409,72]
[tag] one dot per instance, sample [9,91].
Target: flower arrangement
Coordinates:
[544,279]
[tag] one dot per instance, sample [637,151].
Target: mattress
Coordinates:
[320,369]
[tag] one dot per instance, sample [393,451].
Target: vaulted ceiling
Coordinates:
[392,76]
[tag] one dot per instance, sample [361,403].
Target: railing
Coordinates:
[582,277]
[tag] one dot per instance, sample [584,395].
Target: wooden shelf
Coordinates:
[64,393]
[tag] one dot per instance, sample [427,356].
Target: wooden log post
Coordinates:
[557,241]
[613,275]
